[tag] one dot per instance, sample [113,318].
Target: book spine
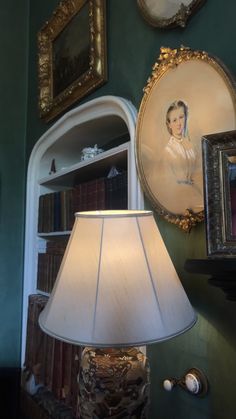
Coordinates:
[74,389]
[57,370]
[49,264]
[116,192]
[57,212]
[34,356]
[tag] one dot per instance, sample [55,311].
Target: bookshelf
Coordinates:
[116,156]
[109,122]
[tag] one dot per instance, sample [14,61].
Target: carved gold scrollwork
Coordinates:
[170,58]
[187,221]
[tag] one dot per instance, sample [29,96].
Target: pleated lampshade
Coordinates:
[117,285]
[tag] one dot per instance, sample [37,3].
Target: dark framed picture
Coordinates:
[219,168]
[189,94]
[72,55]
[168,13]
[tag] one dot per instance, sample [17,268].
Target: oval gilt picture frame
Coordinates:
[167,13]
[189,94]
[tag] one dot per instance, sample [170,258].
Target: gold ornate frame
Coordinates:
[178,19]
[207,87]
[50,104]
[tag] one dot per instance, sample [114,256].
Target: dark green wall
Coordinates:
[13,99]
[133,47]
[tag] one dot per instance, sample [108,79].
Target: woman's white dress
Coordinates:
[180,158]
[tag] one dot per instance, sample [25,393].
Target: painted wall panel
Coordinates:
[133,47]
[13,99]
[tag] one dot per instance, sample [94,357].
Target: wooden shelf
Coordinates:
[54,234]
[84,170]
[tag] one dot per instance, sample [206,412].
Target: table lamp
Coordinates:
[116,290]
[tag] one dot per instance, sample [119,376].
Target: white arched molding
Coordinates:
[101,112]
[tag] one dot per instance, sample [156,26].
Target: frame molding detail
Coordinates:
[90,54]
[156,17]
[219,165]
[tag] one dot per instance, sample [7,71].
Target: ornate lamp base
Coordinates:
[113,383]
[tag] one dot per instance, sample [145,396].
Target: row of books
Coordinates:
[56,209]
[49,263]
[54,364]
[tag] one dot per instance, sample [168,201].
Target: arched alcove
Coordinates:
[99,121]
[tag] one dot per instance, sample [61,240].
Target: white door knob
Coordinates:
[168,384]
[192,383]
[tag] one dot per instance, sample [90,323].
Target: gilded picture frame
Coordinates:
[166,13]
[219,168]
[196,87]
[71,55]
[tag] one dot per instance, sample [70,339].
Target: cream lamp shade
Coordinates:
[117,285]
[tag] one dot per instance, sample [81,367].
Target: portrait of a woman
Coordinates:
[182,103]
[179,153]
[178,164]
